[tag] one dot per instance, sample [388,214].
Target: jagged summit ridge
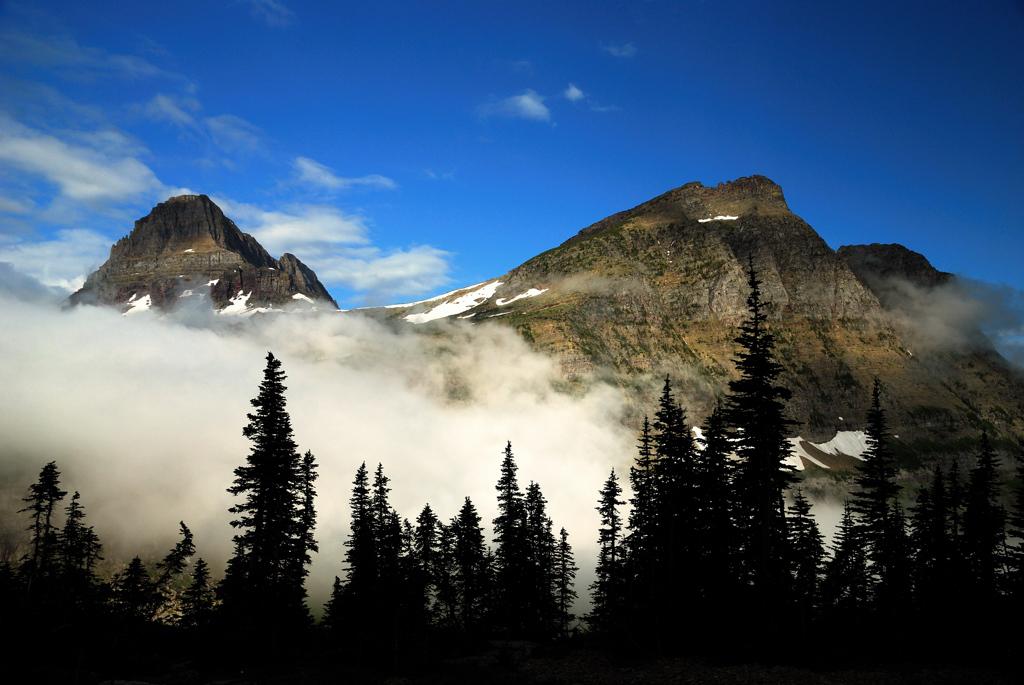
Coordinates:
[186,247]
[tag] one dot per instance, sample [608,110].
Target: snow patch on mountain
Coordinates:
[720,217]
[137,305]
[532,292]
[460,305]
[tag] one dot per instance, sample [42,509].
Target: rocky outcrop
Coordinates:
[660,289]
[186,247]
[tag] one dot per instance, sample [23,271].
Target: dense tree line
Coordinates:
[715,550]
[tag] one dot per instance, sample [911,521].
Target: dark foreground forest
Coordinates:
[713,571]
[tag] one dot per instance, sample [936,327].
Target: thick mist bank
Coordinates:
[144,416]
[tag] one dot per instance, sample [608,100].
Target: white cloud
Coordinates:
[234,134]
[623,50]
[62,262]
[412,271]
[312,172]
[165,108]
[272,12]
[336,245]
[573,93]
[527,105]
[90,171]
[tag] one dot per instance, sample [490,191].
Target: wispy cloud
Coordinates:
[622,50]
[64,55]
[95,168]
[234,134]
[573,93]
[527,105]
[172,110]
[314,173]
[273,13]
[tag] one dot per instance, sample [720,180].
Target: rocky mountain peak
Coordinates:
[747,195]
[187,247]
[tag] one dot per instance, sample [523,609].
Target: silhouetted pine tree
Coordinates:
[307,516]
[133,592]
[872,502]
[565,582]
[470,566]
[639,542]
[444,577]
[716,533]
[426,540]
[263,587]
[39,565]
[675,520]
[606,590]
[1016,531]
[808,553]
[170,567]
[984,534]
[79,551]
[197,599]
[351,609]
[845,589]
[756,412]
[930,540]
[513,565]
[541,542]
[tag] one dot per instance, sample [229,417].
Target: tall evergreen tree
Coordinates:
[263,588]
[79,551]
[134,592]
[426,542]
[470,565]
[808,553]
[757,412]
[872,502]
[1016,531]
[541,544]
[307,516]
[169,568]
[39,565]
[197,600]
[606,590]
[984,535]
[565,581]
[715,530]
[845,590]
[930,540]
[512,548]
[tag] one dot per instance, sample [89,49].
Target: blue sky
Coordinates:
[403,149]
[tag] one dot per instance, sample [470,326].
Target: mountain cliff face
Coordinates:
[186,247]
[660,289]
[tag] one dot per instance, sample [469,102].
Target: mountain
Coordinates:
[186,247]
[660,289]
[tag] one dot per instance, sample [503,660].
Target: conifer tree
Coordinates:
[845,589]
[715,530]
[756,412]
[39,565]
[541,544]
[134,593]
[872,502]
[808,553]
[79,551]
[307,516]
[425,542]
[639,540]
[470,565]
[930,540]
[984,535]
[1016,531]
[263,588]
[169,568]
[197,599]
[606,590]
[512,549]
[444,577]
[565,581]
